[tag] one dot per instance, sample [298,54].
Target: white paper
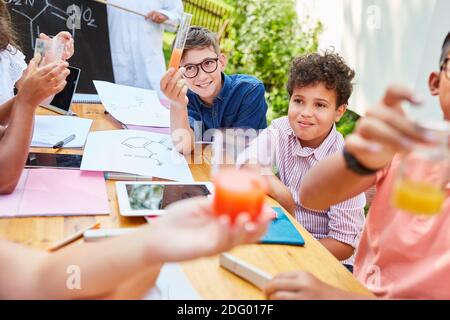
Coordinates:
[172,284]
[133,106]
[135,152]
[48,130]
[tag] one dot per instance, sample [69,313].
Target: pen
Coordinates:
[61,143]
[72,238]
[126,177]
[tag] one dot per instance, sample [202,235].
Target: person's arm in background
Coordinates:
[175,88]
[104,268]
[281,193]
[170,12]
[252,112]
[378,136]
[260,156]
[15,142]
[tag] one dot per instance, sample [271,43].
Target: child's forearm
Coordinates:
[281,193]
[116,265]
[5,111]
[181,132]
[339,249]
[330,182]
[137,287]
[105,269]
[15,145]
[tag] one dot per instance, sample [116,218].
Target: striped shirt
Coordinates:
[344,221]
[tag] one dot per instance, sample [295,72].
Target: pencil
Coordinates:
[129,10]
[72,238]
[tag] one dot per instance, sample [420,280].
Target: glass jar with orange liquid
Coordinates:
[424,173]
[238,188]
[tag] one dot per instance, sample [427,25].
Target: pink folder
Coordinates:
[56,192]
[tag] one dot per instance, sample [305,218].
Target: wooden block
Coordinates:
[244,270]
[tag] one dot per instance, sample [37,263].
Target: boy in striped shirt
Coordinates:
[319,87]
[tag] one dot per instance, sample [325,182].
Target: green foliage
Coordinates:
[264,37]
[168,39]
[347,123]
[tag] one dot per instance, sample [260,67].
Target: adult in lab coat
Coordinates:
[137,42]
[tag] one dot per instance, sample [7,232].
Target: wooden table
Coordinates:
[210,281]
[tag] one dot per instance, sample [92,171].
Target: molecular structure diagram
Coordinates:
[74,15]
[135,104]
[144,143]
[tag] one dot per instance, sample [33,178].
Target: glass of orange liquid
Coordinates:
[180,40]
[424,174]
[239,187]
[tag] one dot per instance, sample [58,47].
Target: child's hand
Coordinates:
[41,83]
[299,285]
[191,230]
[65,38]
[175,88]
[384,131]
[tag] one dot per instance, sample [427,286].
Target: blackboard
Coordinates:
[87,22]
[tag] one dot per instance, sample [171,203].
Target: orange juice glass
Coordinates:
[424,174]
[239,185]
[238,191]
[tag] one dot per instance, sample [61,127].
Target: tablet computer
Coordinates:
[62,102]
[52,160]
[151,198]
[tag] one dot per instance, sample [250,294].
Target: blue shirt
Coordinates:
[240,104]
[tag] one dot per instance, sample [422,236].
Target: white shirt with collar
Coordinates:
[12,66]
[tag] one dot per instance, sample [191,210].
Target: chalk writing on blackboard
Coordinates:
[75,16]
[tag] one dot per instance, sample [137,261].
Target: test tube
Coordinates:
[180,40]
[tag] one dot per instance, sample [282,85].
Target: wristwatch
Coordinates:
[354,165]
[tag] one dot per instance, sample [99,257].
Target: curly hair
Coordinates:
[7,34]
[328,68]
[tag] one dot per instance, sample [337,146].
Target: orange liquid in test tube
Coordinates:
[175,58]
[238,191]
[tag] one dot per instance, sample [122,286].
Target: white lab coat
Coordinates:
[137,44]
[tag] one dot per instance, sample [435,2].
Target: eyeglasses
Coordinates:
[208,65]
[446,68]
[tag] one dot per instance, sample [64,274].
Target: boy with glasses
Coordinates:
[202,97]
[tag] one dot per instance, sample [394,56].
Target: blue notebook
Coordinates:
[282,231]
